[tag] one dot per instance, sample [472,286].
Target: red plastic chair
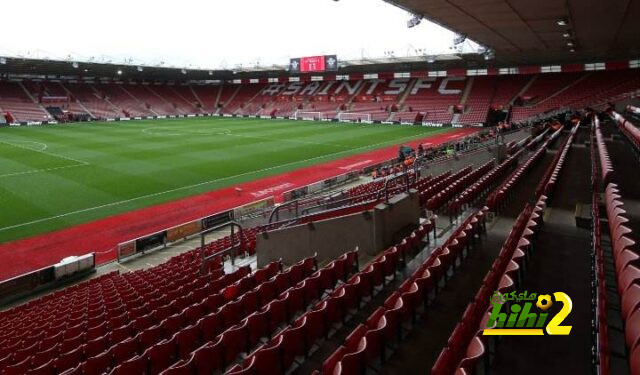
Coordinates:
[149,337]
[98,364]
[135,365]
[192,314]
[208,358]
[72,343]
[42,357]
[394,306]
[258,325]
[267,291]
[213,302]
[282,282]
[231,313]
[97,331]
[411,298]
[312,289]
[162,355]
[632,330]
[425,284]
[330,364]
[75,371]
[327,277]
[629,276]
[248,369]
[335,312]
[293,342]
[475,351]
[125,350]
[630,300]
[376,324]
[277,312]
[295,299]
[172,324]
[121,333]
[354,362]
[48,368]
[235,340]
[351,299]
[97,346]
[69,359]
[210,326]
[444,363]
[634,361]
[182,367]
[316,326]
[268,358]
[251,302]
[187,339]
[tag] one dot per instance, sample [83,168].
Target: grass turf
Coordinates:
[58,176]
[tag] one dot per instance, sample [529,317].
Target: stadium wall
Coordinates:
[370,231]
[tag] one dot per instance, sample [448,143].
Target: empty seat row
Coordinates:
[548,181]
[629,130]
[599,284]
[466,347]
[500,196]
[625,256]
[112,311]
[301,337]
[216,353]
[457,186]
[176,313]
[605,162]
[481,186]
[369,341]
[430,190]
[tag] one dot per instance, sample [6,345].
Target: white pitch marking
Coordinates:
[46,152]
[200,184]
[42,170]
[42,146]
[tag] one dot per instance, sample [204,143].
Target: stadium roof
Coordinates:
[70,69]
[542,31]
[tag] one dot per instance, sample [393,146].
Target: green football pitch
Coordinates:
[52,177]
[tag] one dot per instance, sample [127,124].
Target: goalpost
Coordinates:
[306,115]
[354,117]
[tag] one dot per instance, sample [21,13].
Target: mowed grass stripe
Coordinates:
[130,168]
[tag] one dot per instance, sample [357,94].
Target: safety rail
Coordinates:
[231,250]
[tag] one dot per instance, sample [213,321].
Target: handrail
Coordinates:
[276,210]
[386,184]
[231,250]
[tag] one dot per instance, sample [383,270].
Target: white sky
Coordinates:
[212,33]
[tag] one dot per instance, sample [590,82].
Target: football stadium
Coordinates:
[321,187]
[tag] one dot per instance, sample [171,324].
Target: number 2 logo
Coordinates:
[554,327]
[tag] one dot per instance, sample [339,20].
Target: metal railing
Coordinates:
[231,250]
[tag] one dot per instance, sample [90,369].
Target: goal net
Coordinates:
[305,115]
[354,117]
